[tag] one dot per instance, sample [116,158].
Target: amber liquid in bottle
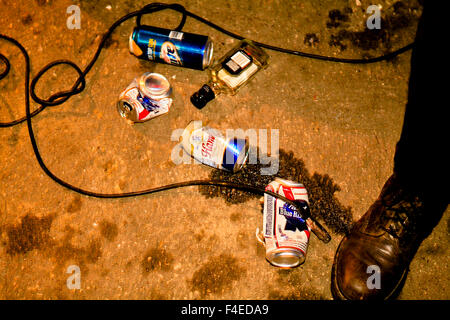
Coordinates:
[231,72]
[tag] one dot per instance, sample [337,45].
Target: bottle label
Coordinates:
[237,62]
[236,81]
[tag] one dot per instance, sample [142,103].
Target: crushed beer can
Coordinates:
[286,232]
[147,97]
[210,147]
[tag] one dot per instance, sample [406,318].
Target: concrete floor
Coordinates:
[342,121]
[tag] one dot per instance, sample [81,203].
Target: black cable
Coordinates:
[387,56]
[3,75]
[79,85]
[7,66]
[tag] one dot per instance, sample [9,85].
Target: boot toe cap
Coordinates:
[360,273]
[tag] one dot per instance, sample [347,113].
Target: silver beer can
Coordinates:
[286,232]
[147,97]
[210,147]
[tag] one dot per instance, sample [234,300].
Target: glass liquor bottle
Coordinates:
[231,72]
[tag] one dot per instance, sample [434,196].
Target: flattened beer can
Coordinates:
[172,47]
[147,97]
[210,147]
[286,233]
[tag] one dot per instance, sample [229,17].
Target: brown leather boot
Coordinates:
[382,244]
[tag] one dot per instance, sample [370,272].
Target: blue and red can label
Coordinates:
[286,232]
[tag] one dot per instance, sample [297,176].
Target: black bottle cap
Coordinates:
[200,98]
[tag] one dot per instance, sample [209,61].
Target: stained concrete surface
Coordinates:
[338,121]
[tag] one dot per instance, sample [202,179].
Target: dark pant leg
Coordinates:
[421,159]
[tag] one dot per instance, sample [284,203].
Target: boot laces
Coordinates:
[397,218]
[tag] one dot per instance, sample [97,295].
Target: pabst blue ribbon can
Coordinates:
[210,147]
[172,47]
[147,97]
[286,232]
